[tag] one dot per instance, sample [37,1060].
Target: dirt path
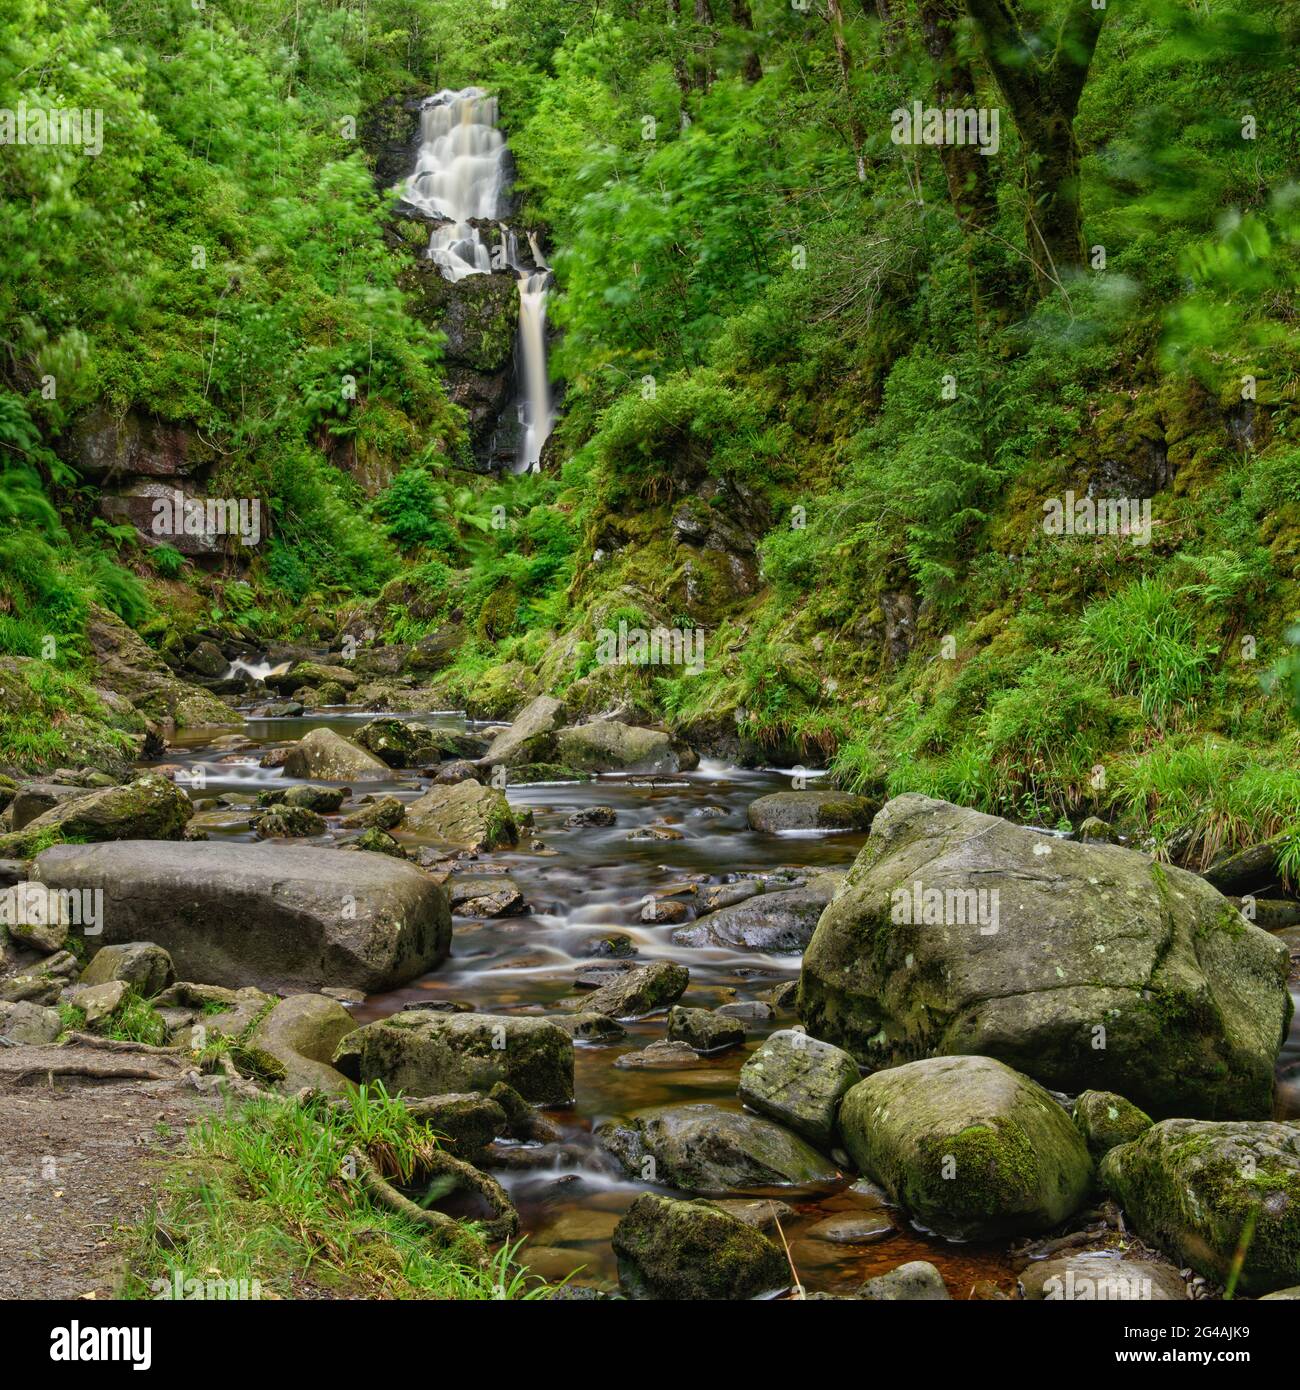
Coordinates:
[80,1157]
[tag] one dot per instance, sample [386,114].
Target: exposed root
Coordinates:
[447,1230]
[119,1045]
[91,1072]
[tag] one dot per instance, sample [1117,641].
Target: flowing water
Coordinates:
[460,178]
[586,884]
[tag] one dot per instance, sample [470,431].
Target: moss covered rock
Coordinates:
[1083,965]
[971,1149]
[810,810]
[800,1082]
[467,814]
[637,992]
[531,738]
[302,1033]
[606,745]
[691,1250]
[150,808]
[1200,1190]
[1105,1120]
[325,754]
[146,968]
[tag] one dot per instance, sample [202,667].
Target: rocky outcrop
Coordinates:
[1204,1191]
[969,1148]
[1085,966]
[282,917]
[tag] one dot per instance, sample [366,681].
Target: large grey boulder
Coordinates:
[426,1054]
[467,815]
[1201,1191]
[531,738]
[145,967]
[690,1251]
[329,756]
[810,810]
[705,1149]
[1086,966]
[282,917]
[971,1149]
[799,1081]
[778,923]
[606,745]
[150,808]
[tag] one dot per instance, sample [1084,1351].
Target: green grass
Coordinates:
[265,1194]
[137,1021]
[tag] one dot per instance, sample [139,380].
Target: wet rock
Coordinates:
[277,709]
[1105,1120]
[288,822]
[459,771]
[705,1149]
[467,815]
[311,674]
[747,1010]
[540,774]
[486,895]
[291,917]
[785,996]
[655,832]
[606,745]
[613,947]
[1247,870]
[311,797]
[703,1030]
[426,1054]
[811,810]
[531,738]
[150,808]
[639,991]
[145,967]
[466,1123]
[661,1056]
[593,816]
[327,755]
[1189,1186]
[1192,997]
[588,1027]
[597,976]
[776,923]
[761,1213]
[799,1081]
[852,1228]
[916,1282]
[376,841]
[664,910]
[394,742]
[971,1149]
[691,1251]
[384,813]
[301,1034]
[1101,1275]
[727,894]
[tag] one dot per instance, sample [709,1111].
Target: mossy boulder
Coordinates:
[394,741]
[810,810]
[150,808]
[799,1082]
[466,814]
[1105,1120]
[531,738]
[606,745]
[312,674]
[288,822]
[704,1030]
[1082,965]
[323,753]
[426,1054]
[777,923]
[1201,1190]
[969,1148]
[142,965]
[689,1251]
[302,1033]
[384,813]
[706,1149]
[634,993]
[323,800]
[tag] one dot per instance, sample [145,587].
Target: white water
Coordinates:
[459,176]
[258,670]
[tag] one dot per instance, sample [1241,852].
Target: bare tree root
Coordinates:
[92,1072]
[447,1230]
[119,1045]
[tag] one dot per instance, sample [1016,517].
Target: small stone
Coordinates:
[703,1030]
[918,1281]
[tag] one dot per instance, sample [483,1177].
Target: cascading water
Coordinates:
[459,178]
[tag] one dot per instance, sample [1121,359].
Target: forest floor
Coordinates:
[80,1159]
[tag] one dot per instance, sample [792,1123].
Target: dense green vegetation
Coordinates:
[859,368]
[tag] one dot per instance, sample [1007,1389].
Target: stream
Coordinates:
[585,884]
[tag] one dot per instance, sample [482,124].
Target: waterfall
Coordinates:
[459,179]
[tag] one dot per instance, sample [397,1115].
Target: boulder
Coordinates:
[637,992]
[812,810]
[150,808]
[484,895]
[589,1027]
[1201,1190]
[1247,870]
[592,816]
[777,923]
[325,754]
[799,1082]
[605,745]
[288,823]
[311,674]
[283,916]
[705,1149]
[394,742]
[690,1251]
[1105,1120]
[969,1148]
[465,1123]
[308,796]
[467,815]
[424,1054]
[145,967]
[32,1024]
[1083,965]
[531,738]
[32,799]
[704,1030]
[718,895]
[384,813]
[916,1282]
[302,1034]
[1101,1276]
[99,1002]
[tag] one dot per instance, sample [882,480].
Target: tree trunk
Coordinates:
[836,16]
[741,15]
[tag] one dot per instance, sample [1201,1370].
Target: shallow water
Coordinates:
[591,882]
